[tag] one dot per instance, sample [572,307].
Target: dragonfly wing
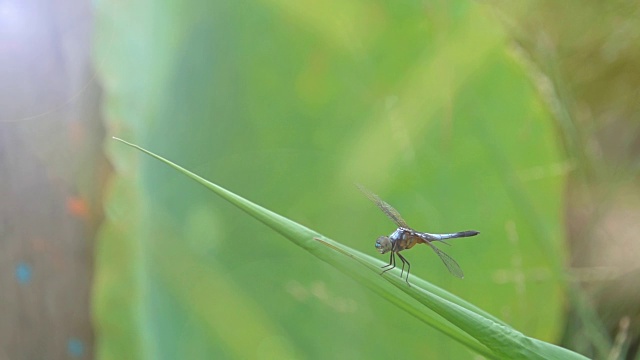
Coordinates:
[387,209]
[448,261]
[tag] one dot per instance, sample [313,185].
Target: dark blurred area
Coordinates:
[583,57]
[51,166]
[585,60]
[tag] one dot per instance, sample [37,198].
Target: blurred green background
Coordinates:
[519,121]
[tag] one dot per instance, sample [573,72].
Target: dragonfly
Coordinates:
[405,238]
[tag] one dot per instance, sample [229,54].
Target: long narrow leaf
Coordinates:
[456,318]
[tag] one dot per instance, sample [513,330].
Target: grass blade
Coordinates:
[472,327]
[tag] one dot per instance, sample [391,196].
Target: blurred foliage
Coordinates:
[584,58]
[288,104]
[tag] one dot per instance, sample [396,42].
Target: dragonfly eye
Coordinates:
[383,244]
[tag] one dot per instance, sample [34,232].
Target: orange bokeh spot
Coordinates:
[77,207]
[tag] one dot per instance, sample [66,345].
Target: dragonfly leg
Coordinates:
[392,263]
[408,267]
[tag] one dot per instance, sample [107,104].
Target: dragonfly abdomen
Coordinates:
[438,237]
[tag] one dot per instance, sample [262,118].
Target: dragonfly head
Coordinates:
[383,244]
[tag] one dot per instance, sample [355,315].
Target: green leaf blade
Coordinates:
[501,340]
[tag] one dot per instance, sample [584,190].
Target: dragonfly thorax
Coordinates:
[397,235]
[385,244]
